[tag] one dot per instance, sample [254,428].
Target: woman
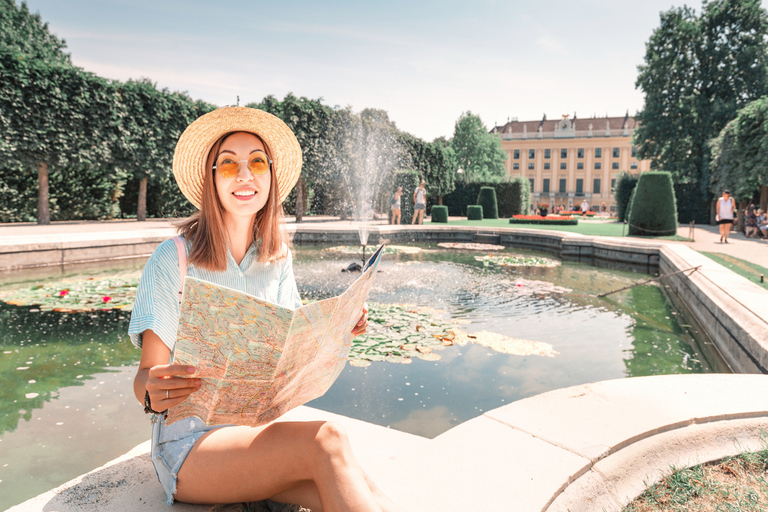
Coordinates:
[762,223]
[395,202]
[750,222]
[236,165]
[419,203]
[726,207]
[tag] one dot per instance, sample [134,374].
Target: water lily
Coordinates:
[106,298]
[63,293]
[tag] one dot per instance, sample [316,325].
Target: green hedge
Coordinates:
[474,212]
[439,213]
[512,197]
[692,204]
[563,222]
[625,184]
[487,199]
[653,211]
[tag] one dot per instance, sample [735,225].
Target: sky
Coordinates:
[424,62]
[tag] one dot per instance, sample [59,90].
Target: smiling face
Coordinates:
[244,194]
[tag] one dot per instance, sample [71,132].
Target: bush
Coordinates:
[625,184]
[512,197]
[653,211]
[474,212]
[439,213]
[487,199]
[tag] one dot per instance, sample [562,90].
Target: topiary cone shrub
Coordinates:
[474,212]
[653,209]
[487,199]
[439,214]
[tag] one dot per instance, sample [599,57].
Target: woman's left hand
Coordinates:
[362,325]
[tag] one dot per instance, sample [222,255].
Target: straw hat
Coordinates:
[196,142]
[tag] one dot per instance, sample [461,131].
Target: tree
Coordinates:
[54,115]
[477,151]
[313,124]
[740,155]
[153,121]
[26,34]
[697,72]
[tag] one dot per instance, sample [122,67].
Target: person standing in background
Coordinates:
[726,207]
[419,203]
[394,202]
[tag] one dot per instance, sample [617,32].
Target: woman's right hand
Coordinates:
[170,384]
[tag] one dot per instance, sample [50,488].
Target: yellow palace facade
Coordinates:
[570,160]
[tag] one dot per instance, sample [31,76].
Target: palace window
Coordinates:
[547,153]
[561,188]
[598,166]
[563,153]
[633,165]
[545,186]
[580,165]
[546,166]
[580,153]
[634,151]
[516,154]
[516,167]
[596,186]
[579,186]
[563,166]
[530,166]
[531,153]
[531,180]
[598,153]
[616,152]
[615,165]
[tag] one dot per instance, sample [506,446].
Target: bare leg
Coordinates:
[309,464]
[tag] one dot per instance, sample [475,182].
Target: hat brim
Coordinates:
[190,157]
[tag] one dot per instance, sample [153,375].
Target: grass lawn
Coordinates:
[741,267]
[733,484]
[598,228]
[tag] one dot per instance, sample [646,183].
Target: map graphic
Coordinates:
[258,360]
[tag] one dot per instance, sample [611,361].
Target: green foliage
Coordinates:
[653,211]
[25,33]
[690,205]
[478,152]
[409,180]
[698,71]
[487,199]
[740,153]
[434,161]
[513,196]
[439,213]
[625,184]
[474,212]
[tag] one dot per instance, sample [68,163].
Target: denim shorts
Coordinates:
[171,445]
[419,206]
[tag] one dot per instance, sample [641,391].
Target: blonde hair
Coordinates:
[205,228]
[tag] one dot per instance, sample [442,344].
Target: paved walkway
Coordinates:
[588,447]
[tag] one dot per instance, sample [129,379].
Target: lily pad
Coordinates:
[78,296]
[516,260]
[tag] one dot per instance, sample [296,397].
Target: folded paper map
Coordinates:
[256,359]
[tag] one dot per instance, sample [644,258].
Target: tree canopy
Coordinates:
[698,71]
[740,153]
[478,152]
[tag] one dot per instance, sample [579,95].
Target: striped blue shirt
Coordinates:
[157,298]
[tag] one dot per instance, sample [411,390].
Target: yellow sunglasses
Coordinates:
[228,165]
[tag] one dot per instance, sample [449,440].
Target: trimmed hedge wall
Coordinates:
[692,204]
[487,199]
[439,213]
[512,197]
[653,211]
[474,212]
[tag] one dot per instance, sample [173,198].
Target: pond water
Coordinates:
[67,406]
